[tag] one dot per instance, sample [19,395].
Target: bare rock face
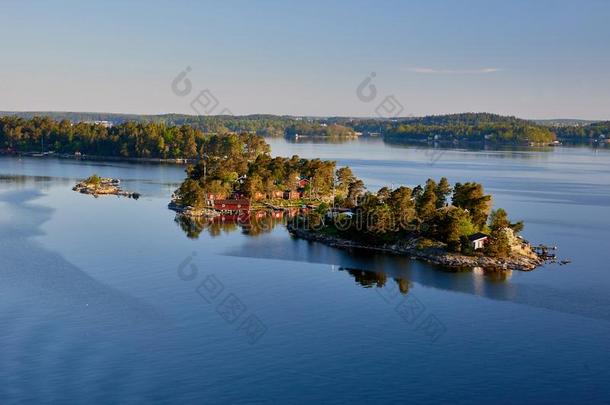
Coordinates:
[518,247]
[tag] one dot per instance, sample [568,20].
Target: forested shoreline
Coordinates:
[175,136]
[126,140]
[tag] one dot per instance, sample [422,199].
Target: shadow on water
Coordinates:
[56,317]
[26,265]
[370,269]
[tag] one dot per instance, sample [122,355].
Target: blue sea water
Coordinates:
[108,300]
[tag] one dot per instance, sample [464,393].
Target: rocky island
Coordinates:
[521,256]
[449,225]
[453,226]
[96,186]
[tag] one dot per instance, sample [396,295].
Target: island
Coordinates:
[96,186]
[450,225]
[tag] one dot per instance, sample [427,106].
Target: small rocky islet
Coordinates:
[96,186]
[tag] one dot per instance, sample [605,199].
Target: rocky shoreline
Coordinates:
[437,256]
[192,212]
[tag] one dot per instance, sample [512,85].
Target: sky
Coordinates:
[532,59]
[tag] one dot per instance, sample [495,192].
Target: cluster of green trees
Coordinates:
[261,124]
[319,129]
[435,211]
[268,175]
[94,180]
[152,140]
[246,168]
[470,127]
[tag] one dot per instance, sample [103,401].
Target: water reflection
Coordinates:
[369,268]
[320,139]
[251,223]
[378,279]
[20,182]
[495,285]
[466,146]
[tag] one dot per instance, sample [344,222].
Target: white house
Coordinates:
[477,240]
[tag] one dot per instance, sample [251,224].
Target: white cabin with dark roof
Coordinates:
[478,240]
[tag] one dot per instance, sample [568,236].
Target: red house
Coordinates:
[232,205]
[303,183]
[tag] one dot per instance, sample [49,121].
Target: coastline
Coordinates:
[436,256]
[173,161]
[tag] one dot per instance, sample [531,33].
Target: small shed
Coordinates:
[478,240]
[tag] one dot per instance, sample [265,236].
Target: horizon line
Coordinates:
[296,116]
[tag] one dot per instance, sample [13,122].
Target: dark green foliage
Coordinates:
[593,131]
[153,140]
[466,246]
[443,190]
[191,193]
[471,197]
[498,244]
[94,179]
[450,225]
[318,129]
[345,177]
[499,220]
[355,192]
[426,202]
[403,207]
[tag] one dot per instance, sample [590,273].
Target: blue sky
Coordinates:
[534,59]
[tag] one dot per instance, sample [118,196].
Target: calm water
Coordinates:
[108,300]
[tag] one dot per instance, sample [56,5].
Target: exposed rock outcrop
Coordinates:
[97,186]
[525,261]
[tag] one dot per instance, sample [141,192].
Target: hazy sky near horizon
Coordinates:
[530,58]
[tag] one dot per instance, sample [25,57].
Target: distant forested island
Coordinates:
[594,132]
[176,136]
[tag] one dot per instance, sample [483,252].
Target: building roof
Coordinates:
[477,236]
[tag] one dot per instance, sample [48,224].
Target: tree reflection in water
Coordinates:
[251,223]
[370,279]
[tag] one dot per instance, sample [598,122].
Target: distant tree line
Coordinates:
[130,139]
[471,127]
[319,129]
[590,132]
